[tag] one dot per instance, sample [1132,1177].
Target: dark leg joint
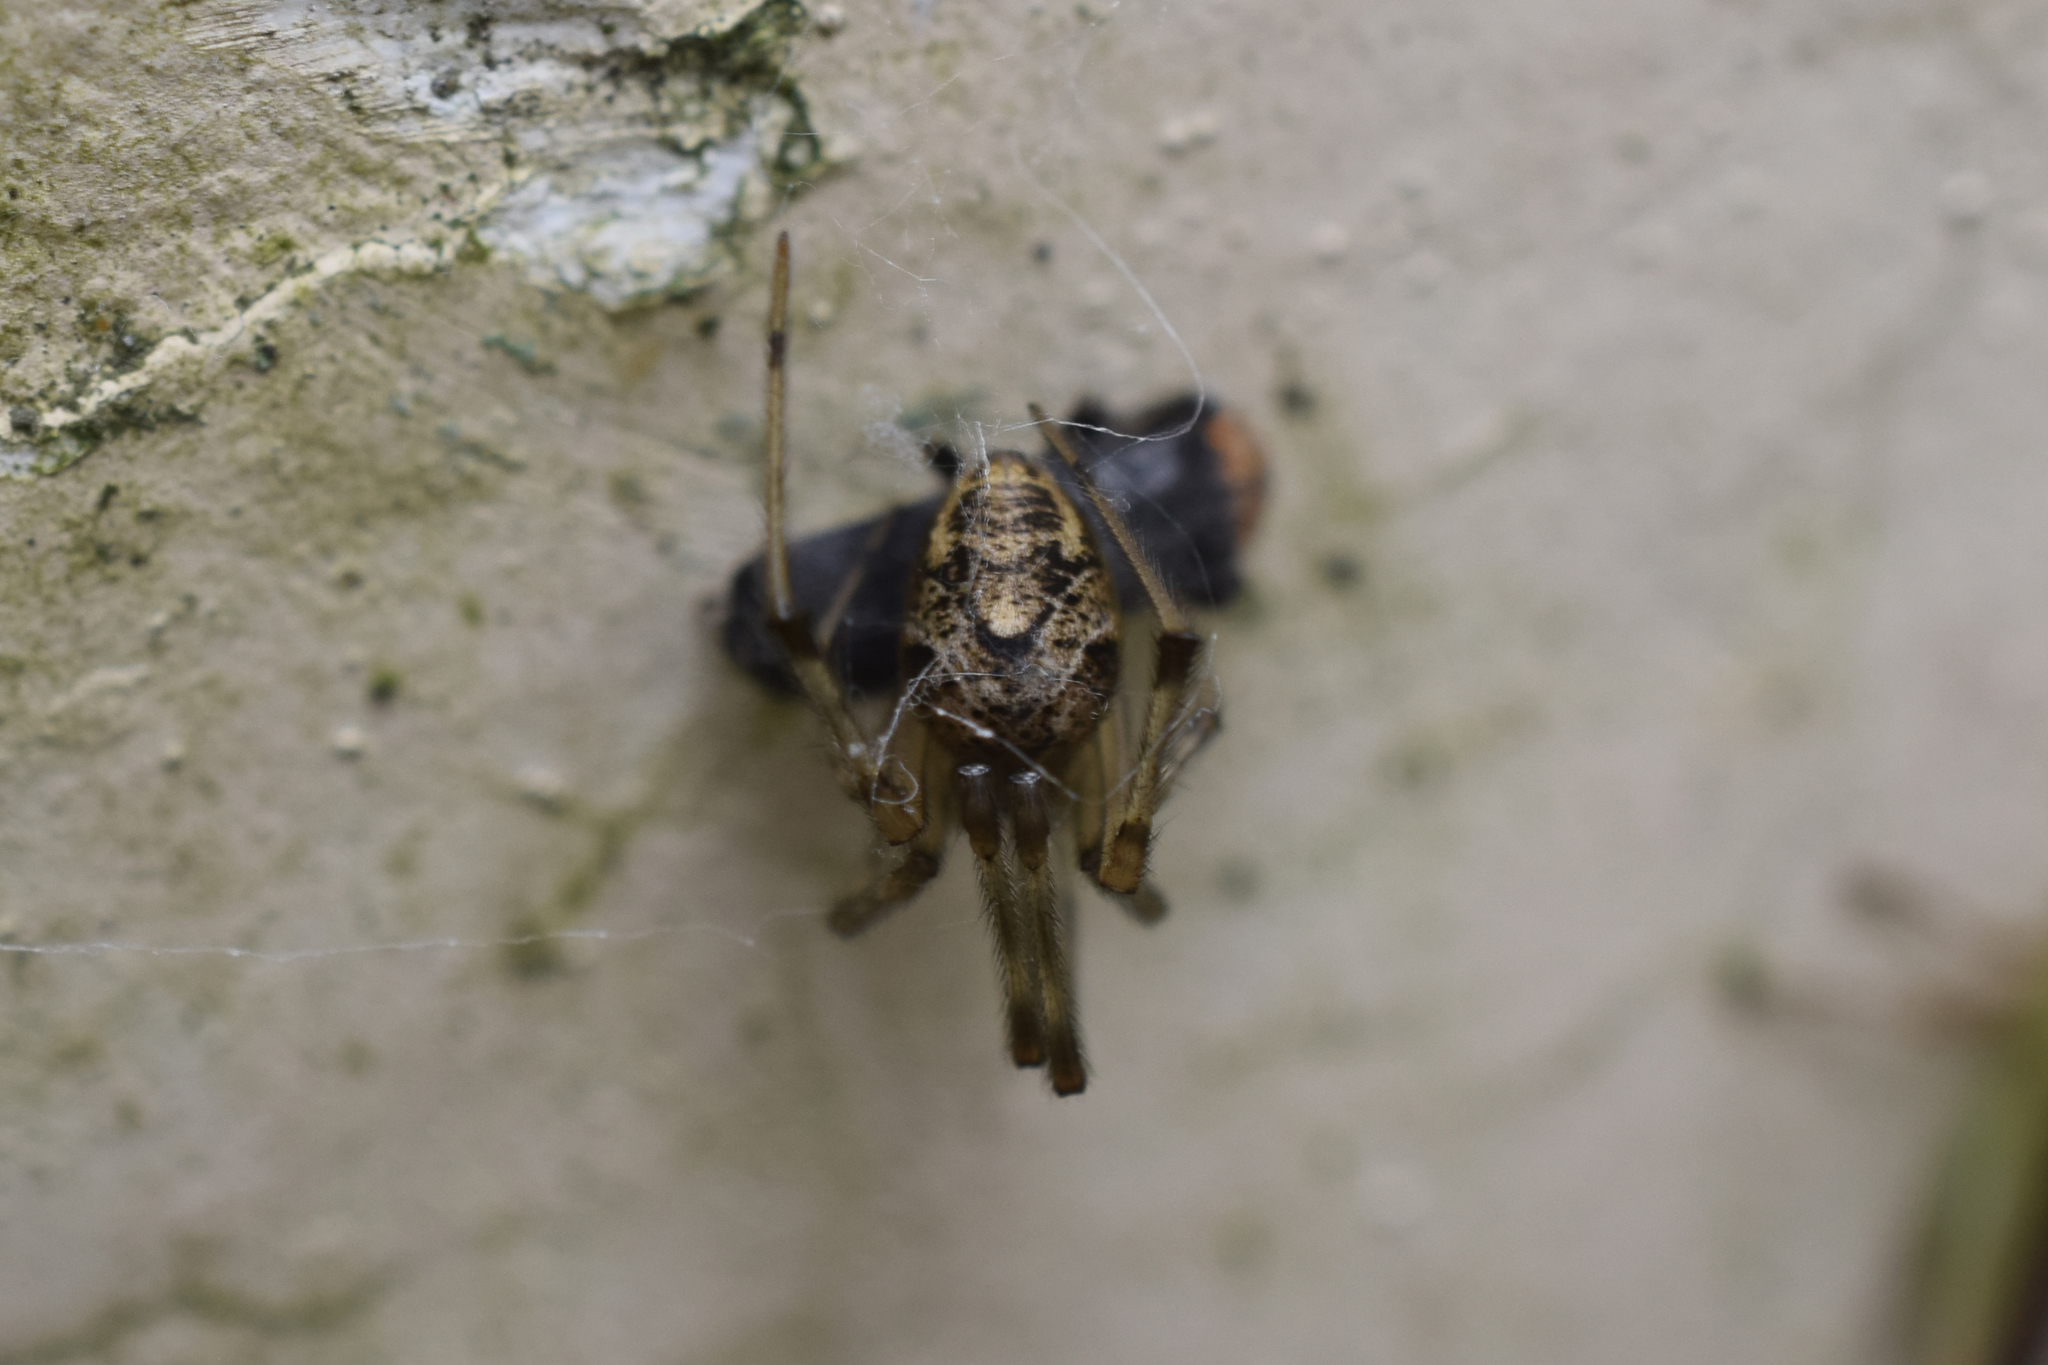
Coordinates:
[1177,653]
[795,634]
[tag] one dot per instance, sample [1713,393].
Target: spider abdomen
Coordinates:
[1011,633]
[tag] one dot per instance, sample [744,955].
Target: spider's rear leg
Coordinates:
[1016,940]
[1031,828]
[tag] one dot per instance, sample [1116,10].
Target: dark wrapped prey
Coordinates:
[1192,501]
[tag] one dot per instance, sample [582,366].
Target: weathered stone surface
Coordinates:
[425,920]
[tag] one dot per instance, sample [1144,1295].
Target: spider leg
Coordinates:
[865,772]
[1173,670]
[1016,944]
[898,884]
[1095,819]
[1031,829]
[1123,866]
[902,788]
[1191,721]
[1093,778]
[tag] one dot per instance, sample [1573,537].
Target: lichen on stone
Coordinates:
[605,148]
[629,135]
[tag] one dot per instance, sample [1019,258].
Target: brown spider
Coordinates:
[1006,722]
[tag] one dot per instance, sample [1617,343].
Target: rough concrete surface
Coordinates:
[414,922]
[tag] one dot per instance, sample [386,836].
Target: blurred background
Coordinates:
[413,922]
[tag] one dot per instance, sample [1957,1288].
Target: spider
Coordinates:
[1187,473]
[1005,723]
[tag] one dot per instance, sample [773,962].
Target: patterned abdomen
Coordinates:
[1010,641]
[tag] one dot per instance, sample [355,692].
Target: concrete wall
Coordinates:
[413,923]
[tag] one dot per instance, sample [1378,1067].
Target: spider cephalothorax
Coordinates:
[1006,723]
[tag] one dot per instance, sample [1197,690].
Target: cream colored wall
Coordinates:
[1655,548]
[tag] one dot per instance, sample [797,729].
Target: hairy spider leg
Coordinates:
[1031,835]
[866,771]
[1178,649]
[1095,776]
[981,815]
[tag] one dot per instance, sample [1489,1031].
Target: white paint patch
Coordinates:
[449,73]
[628,153]
[20,461]
[627,225]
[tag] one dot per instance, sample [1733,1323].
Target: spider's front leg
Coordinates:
[1016,942]
[1009,825]
[866,771]
[1175,659]
[1038,900]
